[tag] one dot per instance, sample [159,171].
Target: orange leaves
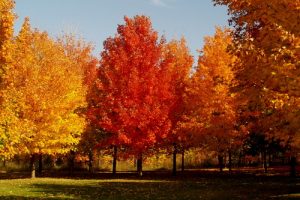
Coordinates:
[266,40]
[210,103]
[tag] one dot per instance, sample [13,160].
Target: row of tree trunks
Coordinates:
[140,163]
[293,163]
[221,163]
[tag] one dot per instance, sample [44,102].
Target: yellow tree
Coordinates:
[81,52]
[6,48]
[267,40]
[49,92]
[6,33]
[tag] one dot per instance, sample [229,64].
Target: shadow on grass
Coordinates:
[202,188]
[157,175]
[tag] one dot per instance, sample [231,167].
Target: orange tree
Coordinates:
[266,39]
[211,119]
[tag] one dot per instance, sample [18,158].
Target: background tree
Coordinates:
[81,52]
[179,60]
[215,66]
[212,117]
[266,39]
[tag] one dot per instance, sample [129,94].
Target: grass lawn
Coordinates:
[158,187]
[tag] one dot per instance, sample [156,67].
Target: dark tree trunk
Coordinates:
[265,161]
[32,164]
[140,165]
[71,161]
[220,159]
[240,160]
[4,163]
[91,161]
[174,160]
[18,160]
[293,163]
[230,161]
[40,169]
[182,160]
[225,160]
[269,159]
[115,154]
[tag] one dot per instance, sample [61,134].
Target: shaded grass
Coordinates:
[204,185]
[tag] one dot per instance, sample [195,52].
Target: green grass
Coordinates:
[158,187]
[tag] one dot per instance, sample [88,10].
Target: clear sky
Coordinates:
[95,20]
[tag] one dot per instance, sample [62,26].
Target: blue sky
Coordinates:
[95,20]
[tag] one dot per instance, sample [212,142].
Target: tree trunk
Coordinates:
[71,162]
[220,159]
[225,160]
[32,163]
[140,165]
[135,163]
[240,160]
[40,169]
[4,163]
[260,159]
[99,163]
[174,160]
[91,161]
[115,151]
[293,164]
[229,161]
[265,161]
[18,160]
[182,160]
[269,159]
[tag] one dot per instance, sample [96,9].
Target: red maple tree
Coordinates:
[134,95]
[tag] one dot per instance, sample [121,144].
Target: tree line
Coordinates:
[145,93]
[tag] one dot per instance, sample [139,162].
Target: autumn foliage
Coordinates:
[134,94]
[266,39]
[143,94]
